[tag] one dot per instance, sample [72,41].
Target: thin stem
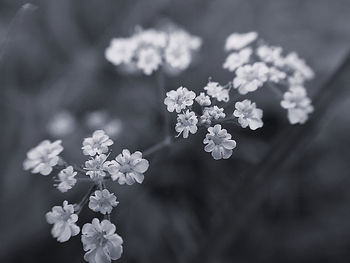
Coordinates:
[107,216]
[80,206]
[158,146]
[275,89]
[14,22]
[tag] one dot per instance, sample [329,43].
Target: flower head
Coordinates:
[237,41]
[298,105]
[121,50]
[203,99]
[96,167]
[179,99]
[212,113]
[178,56]
[114,127]
[150,38]
[219,142]
[64,222]
[149,60]
[250,77]
[128,168]
[215,90]
[271,54]
[97,144]
[248,114]
[297,79]
[296,63]
[237,59]
[186,123]
[66,178]
[43,157]
[103,201]
[275,75]
[61,124]
[101,243]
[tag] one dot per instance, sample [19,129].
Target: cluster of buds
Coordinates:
[148,50]
[100,242]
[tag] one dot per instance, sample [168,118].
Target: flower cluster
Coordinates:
[257,64]
[190,118]
[100,242]
[148,50]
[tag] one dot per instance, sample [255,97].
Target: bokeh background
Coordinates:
[283,196]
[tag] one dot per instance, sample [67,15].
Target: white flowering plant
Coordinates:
[99,239]
[149,50]
[255,66]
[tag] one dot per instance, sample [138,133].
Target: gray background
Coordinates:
[52,59]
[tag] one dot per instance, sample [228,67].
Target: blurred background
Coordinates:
[283,196]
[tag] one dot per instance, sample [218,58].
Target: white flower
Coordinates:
[203,99]
[96,167]
[120,50]
[271,54]
[237,59]
[185,39]
[97,144]
[186,123]
[96,119]
[114,127]
[43,157]
[212,113]
[298,105]
[101,243]
[178,56]
[219,142]
[103,201]
[179,99]
[62,124]
[151,37]
[66,178]
[296,79]
[250,77]
[149,60]
[128,168]
[63,220]
[215,90]
[276,75]
[237,41]
[248,114]
[293,61]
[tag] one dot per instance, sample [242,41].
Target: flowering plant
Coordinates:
[99,239]
[148,50]
[255,66]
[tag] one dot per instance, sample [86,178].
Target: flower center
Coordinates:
[217,140]
[125,168]
[101,240]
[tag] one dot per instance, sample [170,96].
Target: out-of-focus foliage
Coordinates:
[54,61]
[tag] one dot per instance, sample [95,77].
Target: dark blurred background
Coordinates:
[283,196]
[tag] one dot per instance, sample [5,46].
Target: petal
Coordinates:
[141,166]
[209,147]
[115,249]
[216,153]
[229,144]
[101,256]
